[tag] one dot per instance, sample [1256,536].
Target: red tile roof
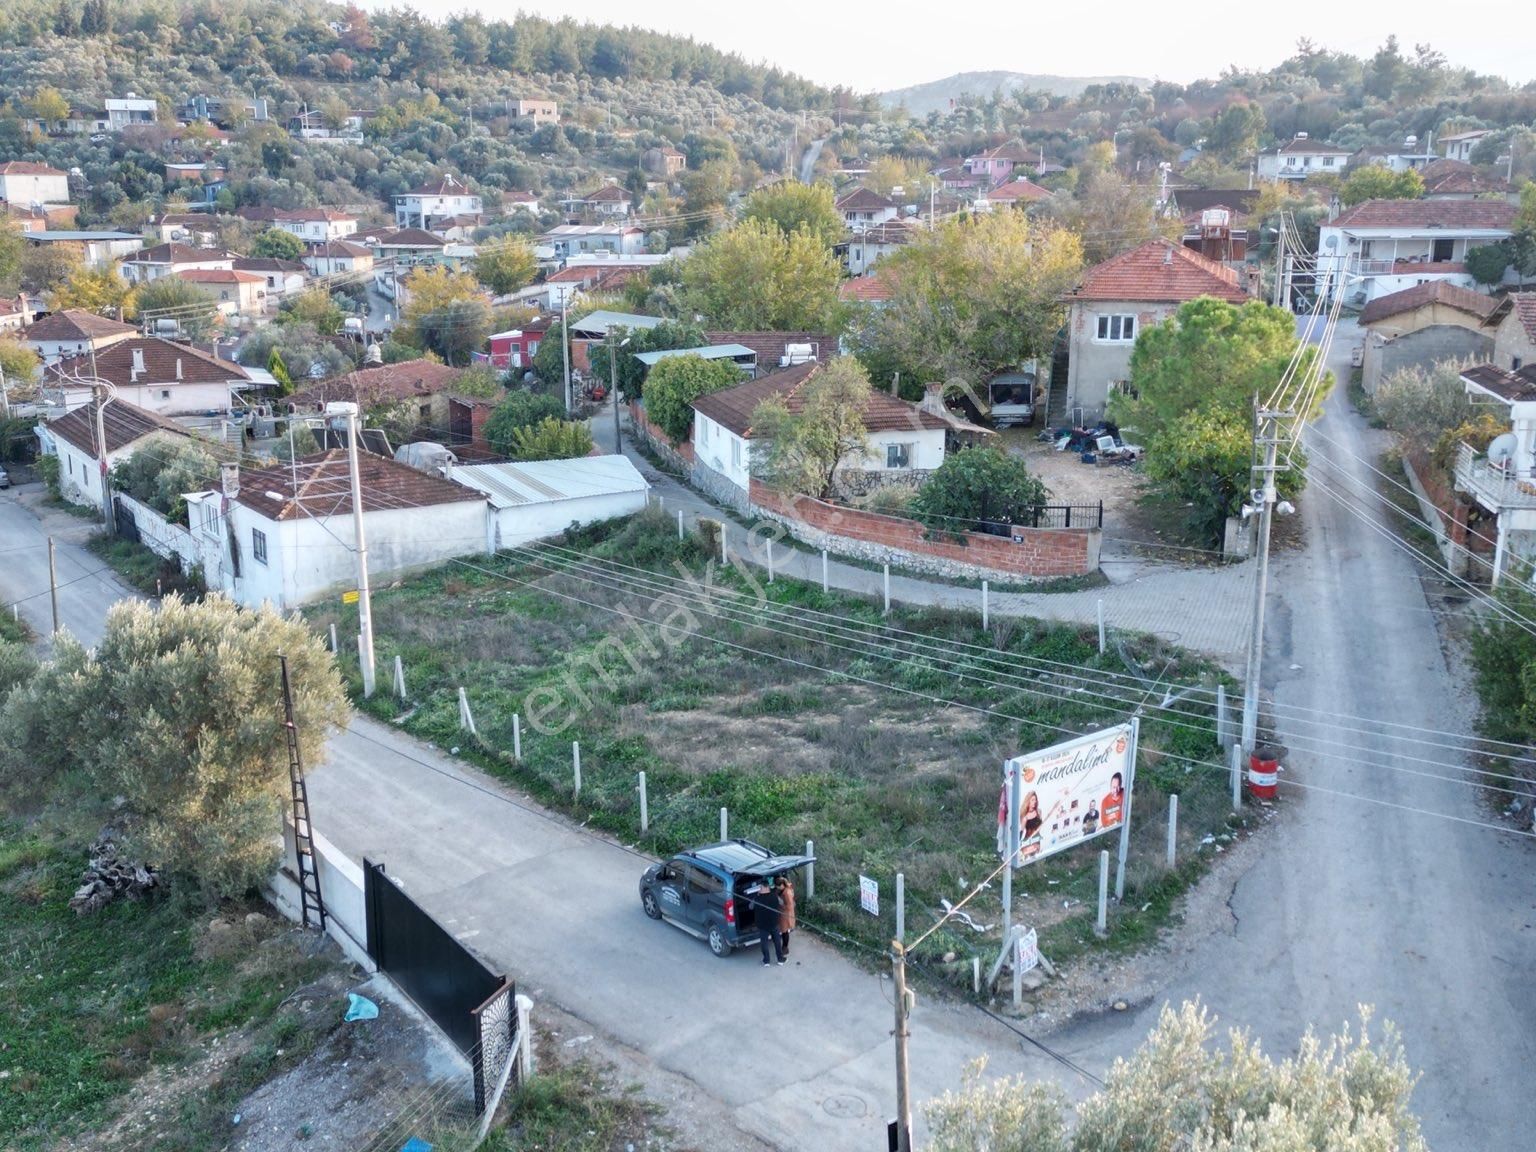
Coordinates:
[445,186]
[1490,215]
[1312,147]
[328,215]
[863,200]
[161,359]
[340,248]
[177,254]
[381,384]
[866,289]
[76,324]
[1019,190]
[732,408]
[324,487]
[1433,292]
[28,168]
[219,276]
[1456,177]
[411,238]
[123,423]
[1523,305]
[607,194]
[1160,271]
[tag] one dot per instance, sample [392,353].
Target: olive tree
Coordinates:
[172,727]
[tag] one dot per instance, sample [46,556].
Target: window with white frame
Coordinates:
[735,452]
[259,545]
[898,455]
[1118,329]
[703,432]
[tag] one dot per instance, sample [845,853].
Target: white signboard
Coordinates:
[1026,952]
[869,895]
[1069,793]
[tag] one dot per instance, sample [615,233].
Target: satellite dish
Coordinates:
[1502,450]
[1331,242]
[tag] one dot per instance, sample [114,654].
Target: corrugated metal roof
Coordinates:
[600,321]
[546,481]
[708,352]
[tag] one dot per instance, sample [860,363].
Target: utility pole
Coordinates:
[565,352]
[903,1033]
[364,603]
[1267,441]
[1279,258]
[613,388]
[99,391]
[53,587]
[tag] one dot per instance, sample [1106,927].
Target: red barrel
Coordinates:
[1264,773]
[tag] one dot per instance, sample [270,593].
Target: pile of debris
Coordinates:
[107,877]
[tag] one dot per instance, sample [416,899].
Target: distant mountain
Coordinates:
[921,99]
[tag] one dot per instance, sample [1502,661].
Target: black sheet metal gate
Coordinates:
[471,1004]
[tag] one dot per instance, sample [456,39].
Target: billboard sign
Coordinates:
[1069,793]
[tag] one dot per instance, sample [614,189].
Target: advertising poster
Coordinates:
[1069,793]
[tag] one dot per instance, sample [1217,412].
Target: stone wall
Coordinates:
[721,489]
[857,483]
[1421,349]
[1036,553]
[676,456]
[160,536]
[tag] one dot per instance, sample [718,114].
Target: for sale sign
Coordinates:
[1026,953]
[869,895]
[1069,793]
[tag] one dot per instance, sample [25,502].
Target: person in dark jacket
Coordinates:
[765,909]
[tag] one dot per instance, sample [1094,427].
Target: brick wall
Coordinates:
[1041,552]
[679,456]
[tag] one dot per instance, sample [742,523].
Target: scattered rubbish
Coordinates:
[235,1119]
[1121,1005]
[1207,839]
[360,1008]
[454,751]
[1069,903]
[965,918]
[1147,905]
[574,1040]
[1053,883]
[948,958]
[1295,667]
[415,1144]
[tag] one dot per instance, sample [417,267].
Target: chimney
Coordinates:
[229,475]
[178,367]
[138,365]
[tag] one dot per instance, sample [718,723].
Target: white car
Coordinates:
[5,480]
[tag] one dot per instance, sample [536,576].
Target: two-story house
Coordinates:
[130,112]
[73,439]
[235,293]
[160,376]
[281,277]
[541,112]
[337,257]
[610,202]
[1459,145]
[438,199]
[995,165]
[1499,482]
[149,264]
[1383,246]
[24,183]
[1114,302]
[566,240]
[1016,193]
[315,225]
[865,249]
[862,208]
[1300,158]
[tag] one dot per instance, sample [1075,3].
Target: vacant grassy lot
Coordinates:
[881,739]
[106,1018]
[142,569]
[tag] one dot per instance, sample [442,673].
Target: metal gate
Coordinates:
[471,1004]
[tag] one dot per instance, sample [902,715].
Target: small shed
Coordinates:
[535,499]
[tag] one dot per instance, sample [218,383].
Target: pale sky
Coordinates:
[895,43]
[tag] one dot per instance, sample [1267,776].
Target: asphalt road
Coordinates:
[1431,921]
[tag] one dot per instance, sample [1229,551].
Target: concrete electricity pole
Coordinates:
[613,388]
[1267,441]
[100,390]
[903,1033]
[565,352]
[364,602]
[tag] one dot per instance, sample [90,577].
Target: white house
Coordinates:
[337,257]
[537,499]
[861,208]
[150,264]
[160,376]
[445,197]
[98,249]
[127,429]
[541,112]
[568,240]
[24,183]
[1459,145]
[131,111]
[610,202]
[1385,246]
[282,277]
[235,293]
[904,440]
[73,332]
[1502,480]
[865,249]
[285,535]
[1302,157]
[315,225]
[199,228]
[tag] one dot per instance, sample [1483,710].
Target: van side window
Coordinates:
[704,883]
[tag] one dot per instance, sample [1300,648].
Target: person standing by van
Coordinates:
[786,889]
[765,910]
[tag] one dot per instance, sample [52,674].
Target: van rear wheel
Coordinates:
[718,944]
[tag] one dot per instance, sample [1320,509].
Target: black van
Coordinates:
[703,890]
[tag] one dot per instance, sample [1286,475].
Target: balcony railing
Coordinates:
[1494,486]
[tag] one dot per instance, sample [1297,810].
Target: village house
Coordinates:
[906,443]
[866,248]
[995,165]
[281,277]
[338,257]
[72,438]
[520,200]
[1114,302]
[160,376]
[1300,158]
[96,249]
[445,197]
[1513,323]
[665,162]
[149,264]
[25,184]
[1383,246]
[610,202]
[541,112]
[1500,482]
[1459,145]
[1408,156]
[773,350]
[197,228]
[1456,180]
[1419,326]
[536,499]
[130,111]
[283,537]
[566,240]
[315,225]
[516,347]
[873,291]
[593,329]
[861,208]
[1016,193]
[234,293]
[74,332]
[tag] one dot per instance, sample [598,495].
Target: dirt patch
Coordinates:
[1121,487]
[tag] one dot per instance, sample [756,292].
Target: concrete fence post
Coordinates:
[645,812]
[466,717]
[1237,777]
[770,560]
[1222,738]
[725,559]
[524,1036]
[901,908]
[576,769]
[824,586]
[1101,925]
[985,607]
[517,737]
[334,650]
[887,581]
[399,678]
[725,823]
[1101,627]
[679,523]
[810,870]
[1173,831]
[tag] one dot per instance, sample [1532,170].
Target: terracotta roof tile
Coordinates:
[177,254]
[340,249]
[411,238]
[1455,177]
[382,384]
[1018,190]
[1494,215]
[219,276]
[76,324]
[867,289]
[324,487]
[1160,271]
[28,168]
[161,357]
[1523,304]
[732,408]
[1432,292]
[863,200]
[445,186]
[122,422]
